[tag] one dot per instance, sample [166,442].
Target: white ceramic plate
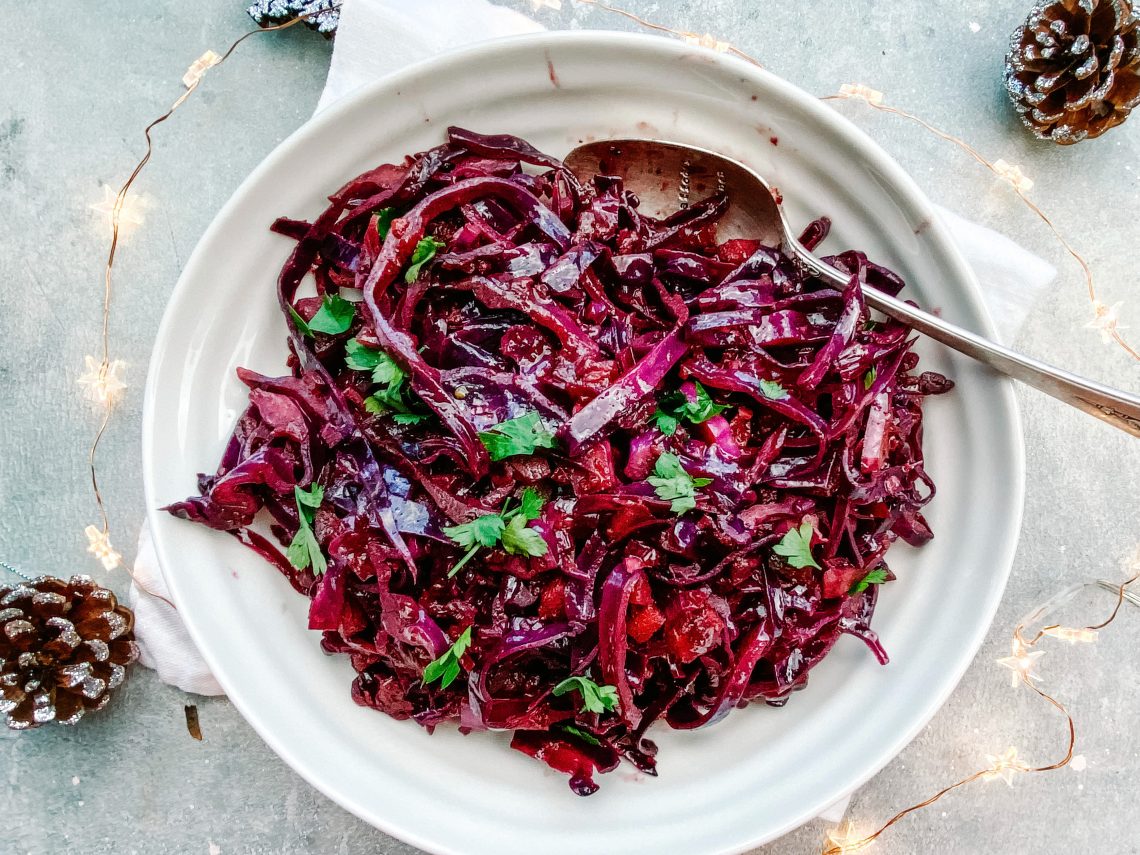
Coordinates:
[762,771]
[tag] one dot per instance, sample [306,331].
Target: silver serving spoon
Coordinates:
[666,175]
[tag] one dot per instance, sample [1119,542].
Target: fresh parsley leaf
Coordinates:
[382,219]
[387,373]
[390,398]
[876,577]
[481,531]
[796,546]
[304,550]
[665,422]
[521,435]
[704,408]
[675,406]
[409,418]
[531,508]
[584,735]
[361,357]
[669,466]
[595,698]
[772,390]
[334,316]
[869,378]
[507,528]
[301,323]
[309,500]
[519,539]
[423,253]
[446,667]
[673,484]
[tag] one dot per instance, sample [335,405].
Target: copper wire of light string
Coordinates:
[116,212]
[1122,594]
[662,28]
[855,845]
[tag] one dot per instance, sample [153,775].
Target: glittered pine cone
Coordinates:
[1073,68]
[64,648]
[322,15]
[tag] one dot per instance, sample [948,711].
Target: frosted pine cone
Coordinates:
[64,648]
[323,15]
[1073,68]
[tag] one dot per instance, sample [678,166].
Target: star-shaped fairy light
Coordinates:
[1106,320]
[846,838]
[99,545]
[130,214]
[1023,663]
[1012,173]
[1073,635]
[862,91]
[1004,766]
[102,382]
[199,67]
[708,40]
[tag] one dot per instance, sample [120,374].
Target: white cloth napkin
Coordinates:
[377,37]
[164,643]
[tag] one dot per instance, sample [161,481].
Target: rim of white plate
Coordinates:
[908,193]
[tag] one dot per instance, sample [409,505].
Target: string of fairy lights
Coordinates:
[103,383]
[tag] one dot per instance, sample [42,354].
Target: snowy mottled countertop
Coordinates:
[80,82]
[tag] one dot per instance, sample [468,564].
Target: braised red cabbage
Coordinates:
[668,468]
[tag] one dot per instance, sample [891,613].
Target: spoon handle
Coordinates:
[1119,409]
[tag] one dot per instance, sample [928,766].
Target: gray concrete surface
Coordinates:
[79,81]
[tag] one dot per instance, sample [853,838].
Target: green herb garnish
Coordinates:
[531,505]
[334,316]
[508,528]
[665,422]
[382,219]
[519,539]
[675,406]
[446,667]
[869,378]
[410,418]
[302,324]
[772,390]
[361,357]
[796,546]
[517,436]
[876,577]
[423,253]
[584,735]
[481,531]
[304,551]
[674,484]
[390,377]
[595,698]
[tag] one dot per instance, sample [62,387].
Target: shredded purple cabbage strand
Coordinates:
[630,338]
